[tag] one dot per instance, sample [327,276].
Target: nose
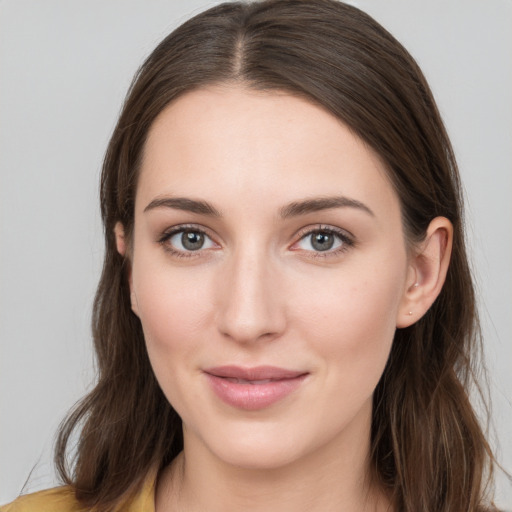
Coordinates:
[251,305]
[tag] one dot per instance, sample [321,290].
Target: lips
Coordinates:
[253,388]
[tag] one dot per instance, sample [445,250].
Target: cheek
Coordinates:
[175,313]
[173,308]
[351,318]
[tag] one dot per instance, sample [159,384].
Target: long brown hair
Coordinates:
[428,449]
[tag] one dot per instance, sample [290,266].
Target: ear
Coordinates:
[120,239]
[122,249]
[427,272]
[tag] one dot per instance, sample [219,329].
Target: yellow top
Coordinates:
[62,499]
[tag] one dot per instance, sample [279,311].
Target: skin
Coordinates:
[259,292]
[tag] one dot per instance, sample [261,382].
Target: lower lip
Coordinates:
[252,397]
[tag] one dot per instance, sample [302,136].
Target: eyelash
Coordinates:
[346,239]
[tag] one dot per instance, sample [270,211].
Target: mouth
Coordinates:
[253,388]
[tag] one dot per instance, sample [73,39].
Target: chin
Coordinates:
[268,445]
[250,445]
[259,457]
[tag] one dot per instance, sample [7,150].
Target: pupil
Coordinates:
[322,241]
[192,240]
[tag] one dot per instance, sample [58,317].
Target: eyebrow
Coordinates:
[185,204]
[293,209]
[323,203]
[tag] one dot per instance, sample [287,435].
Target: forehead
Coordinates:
[229,143]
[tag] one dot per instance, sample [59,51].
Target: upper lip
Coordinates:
[254,373]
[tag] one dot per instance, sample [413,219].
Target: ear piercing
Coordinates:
[410,313]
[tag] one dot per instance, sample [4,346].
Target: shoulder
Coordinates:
[59,499]
[62,499]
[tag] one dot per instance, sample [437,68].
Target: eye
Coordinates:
[185,240]
[324,240]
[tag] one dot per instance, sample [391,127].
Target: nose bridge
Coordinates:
[250,305]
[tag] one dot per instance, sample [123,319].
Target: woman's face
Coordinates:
[268,271]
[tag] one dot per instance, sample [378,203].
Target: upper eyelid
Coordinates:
[301,233]
[186,227]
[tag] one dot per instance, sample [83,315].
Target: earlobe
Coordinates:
[133,301]
[427,272]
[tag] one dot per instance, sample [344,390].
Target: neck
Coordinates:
[335,477]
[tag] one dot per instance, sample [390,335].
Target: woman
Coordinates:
[286,317]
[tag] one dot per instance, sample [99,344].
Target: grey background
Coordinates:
[65,67]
